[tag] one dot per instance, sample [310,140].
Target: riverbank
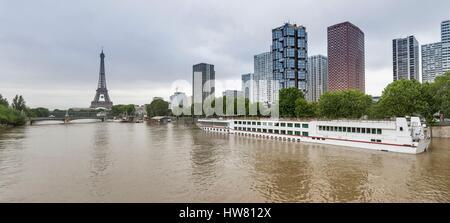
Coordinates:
[441,132]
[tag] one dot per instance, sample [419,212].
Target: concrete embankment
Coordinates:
[441,132]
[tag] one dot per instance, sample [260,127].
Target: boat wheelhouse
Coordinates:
[403,135]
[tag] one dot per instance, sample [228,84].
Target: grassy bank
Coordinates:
[11,117]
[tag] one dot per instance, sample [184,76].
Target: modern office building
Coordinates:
[249,88]
[431,61]
[233,94]
[405,57]
[445,39]
[203,85]
[289,56]
[264,74]
[317,77]
[346,62]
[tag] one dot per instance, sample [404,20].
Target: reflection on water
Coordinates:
[124,162]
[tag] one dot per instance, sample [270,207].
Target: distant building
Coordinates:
[431,61]
[233,93]
[346,60]
[317,77]
[177,99]
[249,87]
[445,39]
[289,56]
[405,57]
[376,98]
[203,85]
[264,75]
[140,111]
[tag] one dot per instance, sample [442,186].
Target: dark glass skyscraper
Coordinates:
[289,55]
[203,85]
[346,62]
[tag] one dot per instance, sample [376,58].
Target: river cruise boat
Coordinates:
[402,135]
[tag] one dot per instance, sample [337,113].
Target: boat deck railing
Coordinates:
[252,118]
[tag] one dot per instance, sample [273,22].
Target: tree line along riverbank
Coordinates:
[401,98]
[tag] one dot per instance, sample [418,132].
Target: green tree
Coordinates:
[18,103]
[287,98]
[439,93]
[158,107]
[305,109]
[344,104]
[9,116]
[121,110]
[3,101]
[402,98]
[38,112]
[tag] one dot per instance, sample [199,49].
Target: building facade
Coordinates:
[445,39]
[317,77]
[203,85]
[290,56]
[249,88]
[405,57]
[264,72]
[178,99]
[431,61]
[233,94]
[346,59]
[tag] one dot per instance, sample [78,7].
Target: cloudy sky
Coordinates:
[49,50]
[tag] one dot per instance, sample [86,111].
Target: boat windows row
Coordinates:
[277,124]
[272,131]
[350,129]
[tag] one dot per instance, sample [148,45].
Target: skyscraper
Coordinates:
[431,61]
[290,55]
[317,77]
[346,62]
[445,39]
[203,85]
[264,73]
[405,57]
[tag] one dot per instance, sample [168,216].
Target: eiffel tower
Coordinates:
[101,99]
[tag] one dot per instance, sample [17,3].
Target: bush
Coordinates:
[11,117]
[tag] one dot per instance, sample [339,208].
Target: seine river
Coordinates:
[122,162]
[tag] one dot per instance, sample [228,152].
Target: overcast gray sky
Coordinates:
[49,49]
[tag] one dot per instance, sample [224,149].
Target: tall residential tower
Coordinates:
[289,56]
[445,39]
[405,57]
[264,74]
[346,62]
[431,61]
[317,77]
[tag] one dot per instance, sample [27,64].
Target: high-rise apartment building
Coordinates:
[405,57]
[249,87]
[445,40]
[346,62]
[289,56]
[431,61]
[203,84]
[317,77]
[264,75]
